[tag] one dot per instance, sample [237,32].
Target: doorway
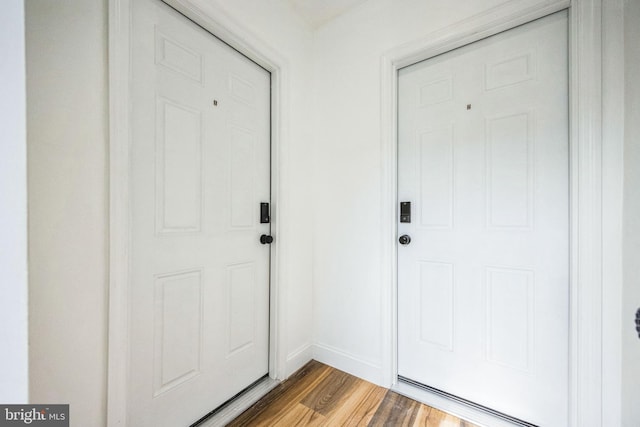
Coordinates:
[200,220]
[483,260]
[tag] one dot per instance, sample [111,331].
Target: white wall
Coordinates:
[67,139]
[68,193]
[14,380]
[631,291]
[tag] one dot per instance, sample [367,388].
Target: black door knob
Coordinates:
[404,239]
[266,239]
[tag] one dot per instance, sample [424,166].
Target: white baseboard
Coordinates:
[349,363]
[297,359]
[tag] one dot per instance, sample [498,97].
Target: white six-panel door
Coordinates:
[199,299]
[483,285]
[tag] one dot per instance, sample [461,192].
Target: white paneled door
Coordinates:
[483,284]
[199,301]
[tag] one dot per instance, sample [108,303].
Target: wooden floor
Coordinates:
[318,395]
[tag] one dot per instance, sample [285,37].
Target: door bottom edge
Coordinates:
[458,406]
[239,403]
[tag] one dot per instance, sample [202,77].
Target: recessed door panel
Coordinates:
[436,304]
[179,167]
[241,307]
[436,178]
[510,170]
[178,329]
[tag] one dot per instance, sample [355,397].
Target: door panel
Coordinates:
[483,284]
[200,169]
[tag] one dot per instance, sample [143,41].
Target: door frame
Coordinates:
[593,172]
[219,23]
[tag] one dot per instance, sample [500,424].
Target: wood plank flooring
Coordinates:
[318,395]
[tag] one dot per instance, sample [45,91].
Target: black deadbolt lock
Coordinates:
[264,213]
[405,211]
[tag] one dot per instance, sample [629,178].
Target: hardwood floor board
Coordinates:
[330,392]
[286,395]
[318,395]
[360,406]
[395,410]
[300,415]
[422,415]
[438,418]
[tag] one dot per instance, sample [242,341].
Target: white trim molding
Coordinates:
[299,357]
[613,119]
[586,181]
[119,211]
[218,22]
[585,400]
[368,370]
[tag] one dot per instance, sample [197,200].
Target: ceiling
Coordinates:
[318,12]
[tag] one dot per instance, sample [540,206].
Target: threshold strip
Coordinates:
[466,402]
[233,407]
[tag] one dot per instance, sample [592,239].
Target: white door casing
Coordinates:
[200,167]
[483,285]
